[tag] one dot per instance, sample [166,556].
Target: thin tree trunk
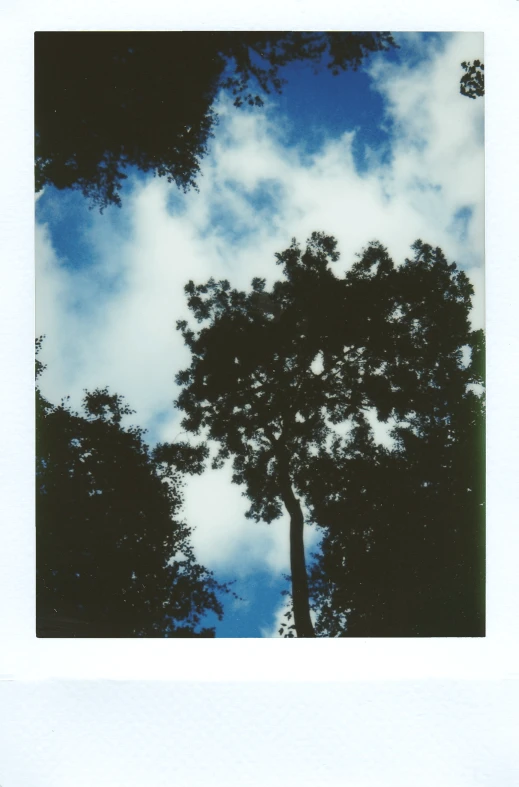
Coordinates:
[300,598]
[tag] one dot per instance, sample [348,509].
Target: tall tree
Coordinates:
[276,373]
[108,101]
[113,557]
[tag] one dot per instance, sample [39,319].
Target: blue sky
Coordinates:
[391,152]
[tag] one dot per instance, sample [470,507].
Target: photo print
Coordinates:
[259,334]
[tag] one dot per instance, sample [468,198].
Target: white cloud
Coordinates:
[224,539]
[123,335]
[279,618]
[282,616]
[381,429]
[437,167]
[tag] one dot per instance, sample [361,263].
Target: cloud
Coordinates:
[437,165]
[225,539]
[113,322]
[282,616]
[279,618]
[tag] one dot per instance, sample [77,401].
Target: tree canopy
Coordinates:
[404,546]
[285,380]
[472,83]
[113,557]
[108,101]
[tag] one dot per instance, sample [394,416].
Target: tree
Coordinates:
[108,101]
[113,558]
[472,83]
[404,546]
[276,373]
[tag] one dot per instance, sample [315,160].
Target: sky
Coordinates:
[392,153]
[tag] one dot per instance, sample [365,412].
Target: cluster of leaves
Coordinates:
[276,374]
[404,545]
[108,101]
[113,557]
[472,83]
[403,551]
[250,382]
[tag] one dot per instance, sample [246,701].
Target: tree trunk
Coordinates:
[300,599]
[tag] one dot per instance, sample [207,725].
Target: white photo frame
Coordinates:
[22,656]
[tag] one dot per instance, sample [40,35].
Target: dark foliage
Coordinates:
[404,547]
[388,338]
[113,558]
[472,83]
[105,101]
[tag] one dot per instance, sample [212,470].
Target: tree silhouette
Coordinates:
[472,83]
[108,101]
[113,558]
[277,375]
[404,545]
